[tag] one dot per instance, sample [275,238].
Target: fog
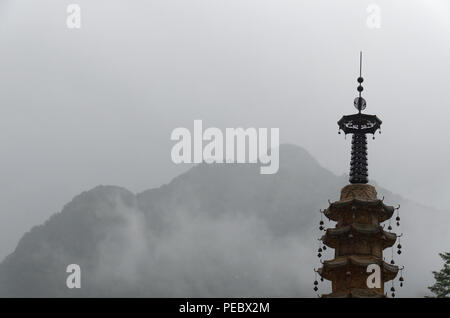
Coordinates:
[202,256]
[97,105]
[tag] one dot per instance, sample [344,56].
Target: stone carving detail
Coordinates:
[358,191]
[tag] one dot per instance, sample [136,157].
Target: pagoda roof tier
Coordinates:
[335,235]
[335,210]
[356,293]
[331,267]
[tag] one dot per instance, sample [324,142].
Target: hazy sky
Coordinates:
[97,105]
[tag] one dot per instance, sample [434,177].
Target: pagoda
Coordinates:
[358,238]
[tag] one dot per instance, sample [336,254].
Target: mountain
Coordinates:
[214,231]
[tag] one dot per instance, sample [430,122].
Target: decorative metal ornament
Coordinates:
[398,216]
[401,279]
[315,281]
[359,125]
[399,245]
[360,103]
[321,223]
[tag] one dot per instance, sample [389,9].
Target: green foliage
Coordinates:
[441,289]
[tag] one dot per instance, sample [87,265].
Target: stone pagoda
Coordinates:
[358,239]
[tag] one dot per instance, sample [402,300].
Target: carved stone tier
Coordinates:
[339,267]
[360,198]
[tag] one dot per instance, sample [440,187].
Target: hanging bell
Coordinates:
[392,289]
[401,284]
[397,218]
[392,262]
[398,223]
[401,279]
[321,279]
[399,246]
[321,222]
[320,250]
[389,227]
[393,295]
[324,247]
[321,227]
[316,289]
[316,282]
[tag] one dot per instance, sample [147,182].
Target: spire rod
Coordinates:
[360,63]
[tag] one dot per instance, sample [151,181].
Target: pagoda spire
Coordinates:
[359,125]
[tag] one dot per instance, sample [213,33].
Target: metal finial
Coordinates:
[359,125]
[360,103]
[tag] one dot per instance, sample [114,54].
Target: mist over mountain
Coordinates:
[215,231]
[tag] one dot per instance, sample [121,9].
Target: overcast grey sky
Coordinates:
[97,105]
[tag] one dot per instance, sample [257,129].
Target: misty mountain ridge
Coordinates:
[218,230]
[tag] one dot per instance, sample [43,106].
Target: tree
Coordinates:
[441,289]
